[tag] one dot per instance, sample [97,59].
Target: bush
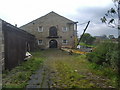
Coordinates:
[105,54]
[104,59]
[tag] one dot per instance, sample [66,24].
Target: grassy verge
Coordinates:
[75,71]
[104,60]
[18,77]
[107,72]
[83,44]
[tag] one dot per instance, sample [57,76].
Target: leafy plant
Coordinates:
[104,59]
[110,17]
[105,53]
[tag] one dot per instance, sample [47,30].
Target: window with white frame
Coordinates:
[40,42]
[64,41]
[75,27]
[64,29]
[40,29]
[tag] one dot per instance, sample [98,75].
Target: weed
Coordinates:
[105,72]
[18,77]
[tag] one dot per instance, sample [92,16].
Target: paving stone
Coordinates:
[34,76]
[33,86]
[39,79]
[34,82]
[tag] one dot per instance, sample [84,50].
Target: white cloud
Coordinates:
[20,11]
[97,29]
[23,11]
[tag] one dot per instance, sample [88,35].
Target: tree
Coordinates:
[104,36]
[111,37]
[109,20]
[112,16]
[87,39]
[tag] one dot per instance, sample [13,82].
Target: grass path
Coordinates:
[71,71]
[54,68]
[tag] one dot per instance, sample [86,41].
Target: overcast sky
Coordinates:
[21,12]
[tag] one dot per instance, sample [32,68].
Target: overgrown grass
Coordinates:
[71,72]
[68,71]
[18,77]
[104,60]
[107,72]
[75,71]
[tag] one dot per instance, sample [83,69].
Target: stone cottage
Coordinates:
[53,31]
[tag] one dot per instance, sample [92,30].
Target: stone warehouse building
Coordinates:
[53,31]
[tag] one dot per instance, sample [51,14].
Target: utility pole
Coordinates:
[83,32]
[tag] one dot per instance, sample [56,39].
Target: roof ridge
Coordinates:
[46,15]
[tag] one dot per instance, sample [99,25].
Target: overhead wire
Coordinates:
[82,23]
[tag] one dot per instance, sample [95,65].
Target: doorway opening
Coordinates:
[53,44]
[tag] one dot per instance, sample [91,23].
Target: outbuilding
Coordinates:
[14,43]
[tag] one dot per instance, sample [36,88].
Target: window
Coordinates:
[75,27]
[53,31]
[65,41]
[64,29]
[40,42]
[40,29]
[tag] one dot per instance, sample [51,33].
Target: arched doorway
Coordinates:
[53,44]
[53,31]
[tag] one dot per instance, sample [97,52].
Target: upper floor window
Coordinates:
[64,29]
[75,27]
[40,29]
[53,31]
[64,41]
[40,42]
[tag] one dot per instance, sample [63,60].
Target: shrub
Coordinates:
[104,59]
[105,54]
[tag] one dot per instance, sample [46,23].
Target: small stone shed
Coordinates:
[14,43]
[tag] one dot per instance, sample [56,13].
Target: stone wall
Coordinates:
[1,53]
[1,47]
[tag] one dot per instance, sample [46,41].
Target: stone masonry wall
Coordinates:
[1,47]
[1,54]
